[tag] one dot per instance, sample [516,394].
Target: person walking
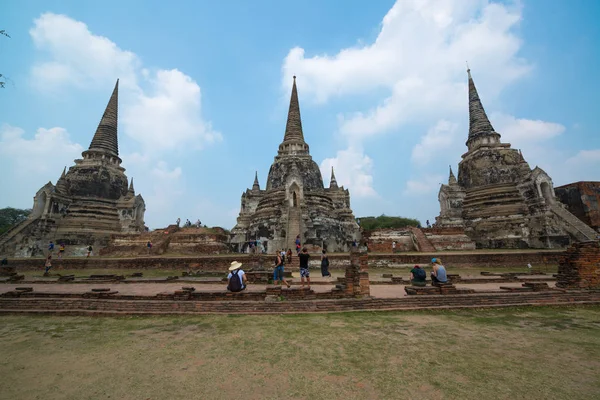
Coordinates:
[278,276]
[90,250]
[149,247]
[48,264]
[298,245]
[51,247]
[325,264]
[289,256]
[61,250]
[304,273]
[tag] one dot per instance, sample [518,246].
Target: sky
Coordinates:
[205,86]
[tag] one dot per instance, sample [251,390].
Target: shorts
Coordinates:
[278,273]
[304,273]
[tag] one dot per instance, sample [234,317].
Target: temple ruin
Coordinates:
[498,199]
[90,202]
[295,201]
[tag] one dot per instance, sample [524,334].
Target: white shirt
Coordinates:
[240,274]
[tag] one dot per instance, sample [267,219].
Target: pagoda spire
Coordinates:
[64,173]
[479,124]
[451,178]
[105,138]
[61,183]
[293,128]
[333,183]
[131,189]
[256,186]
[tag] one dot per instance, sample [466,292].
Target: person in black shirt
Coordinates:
[304,256]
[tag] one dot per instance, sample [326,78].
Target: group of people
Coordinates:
[438,274]
[61,252]
[188,223]
[237,280]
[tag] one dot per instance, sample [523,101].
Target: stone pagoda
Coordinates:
[498,199]
[90,201]
[295,201]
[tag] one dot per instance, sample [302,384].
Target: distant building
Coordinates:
[295,201]
[90,201]
[498,199]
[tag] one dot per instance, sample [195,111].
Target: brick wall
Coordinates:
[582,200]
[579,268]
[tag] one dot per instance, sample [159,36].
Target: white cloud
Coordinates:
[78,57]
[47,152]
[521,130]
[419,57]
[438,138]
[425,185]
[170,116]
[353,170]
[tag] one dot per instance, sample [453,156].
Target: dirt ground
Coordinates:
[541,353]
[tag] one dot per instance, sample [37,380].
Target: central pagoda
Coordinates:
[295,201]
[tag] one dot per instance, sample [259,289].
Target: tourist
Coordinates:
[198,223]
[304,273]
[236,280]
[325,264]
[48,264]
[178,221]
[394,246]
[354,244]
[61,250]
[148,247]
[418,276]
[428,224]
[278,271]
[51,247]
[438,275]
[289,256]
[298,244]
[90,250]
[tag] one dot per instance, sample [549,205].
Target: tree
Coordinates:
[3,81]
[384,221]
[11,216]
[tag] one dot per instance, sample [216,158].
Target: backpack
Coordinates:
[235,285]
[419,274]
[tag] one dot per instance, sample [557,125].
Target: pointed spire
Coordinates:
[131,189]
[61,183]
[478,119]
[293,128]
[333,183]
[64,173]
[451,178]
[256,186]
[105,138]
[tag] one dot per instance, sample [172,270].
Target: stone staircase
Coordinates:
[294,227]
[574,225]
[12,232]
[423,244]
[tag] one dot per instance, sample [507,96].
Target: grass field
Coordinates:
[533,353]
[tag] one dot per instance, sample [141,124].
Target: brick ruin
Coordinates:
[579,268]
[498,199]
[411,239]
[295,201]
[90,202]
[582,200]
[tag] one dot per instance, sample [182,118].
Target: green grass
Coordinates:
[540,353]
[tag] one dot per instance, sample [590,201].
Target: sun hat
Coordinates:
[235,265]
[433,260]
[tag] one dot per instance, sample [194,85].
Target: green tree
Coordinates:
[2,77]
[384,221]
[11,216]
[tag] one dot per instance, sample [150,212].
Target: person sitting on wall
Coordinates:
[418,276]
[438,273]
[236,280]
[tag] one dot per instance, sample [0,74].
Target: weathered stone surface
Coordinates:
[582,200]
[498,199]
[90,202]
[579,268]
[295,201]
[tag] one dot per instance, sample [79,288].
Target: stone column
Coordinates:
[357,274]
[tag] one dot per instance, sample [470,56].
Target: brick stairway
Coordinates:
[574,225]
[294,227]
[423,244]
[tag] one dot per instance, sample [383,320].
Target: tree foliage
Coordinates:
[11,216]
[384,221]
[2,81]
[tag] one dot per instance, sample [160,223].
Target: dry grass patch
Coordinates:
[549,353]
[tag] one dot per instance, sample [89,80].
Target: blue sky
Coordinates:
[205,86]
